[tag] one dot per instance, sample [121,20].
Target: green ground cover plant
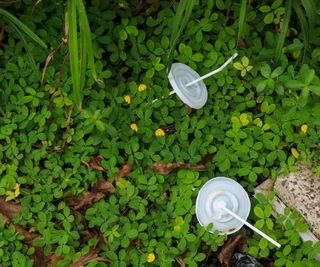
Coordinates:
[94,173]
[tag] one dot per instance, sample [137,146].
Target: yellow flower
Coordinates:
[294,152]
[151,257]
[127,98]
[159,132]
[134,127]
[142,87]
[304,128]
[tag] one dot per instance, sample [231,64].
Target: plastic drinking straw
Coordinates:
[171,93]
[212,72]
[251,226]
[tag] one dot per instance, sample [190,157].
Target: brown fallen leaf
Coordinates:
[124,171]
[93,255]
[95,163]
[88,199]
[103,187]
[9,209]
[181,262]
[98,192]
[206,158]
[28,237]
[228,249]
[166,168]
[169,129]
[40,260]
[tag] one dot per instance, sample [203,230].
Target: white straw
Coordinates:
[171,93]
[252,227]
[212,72]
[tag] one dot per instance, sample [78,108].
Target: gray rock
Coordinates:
[300,191]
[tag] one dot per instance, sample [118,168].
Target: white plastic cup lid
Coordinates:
[222,192]
[196,95]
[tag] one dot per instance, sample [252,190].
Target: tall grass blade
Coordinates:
[85,34]
[82,48]
[310,9]
[22,27]
[284,29]
[25,44]
[304,27]
[180,21]
[242,16]
[74,52]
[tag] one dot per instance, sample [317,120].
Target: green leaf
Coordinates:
[261,86]
[224,165]
[258,211]
[277,72]
[265,70]
[269,224]
[280,262]
[123,35]
[309,75]
[276,4]
[197,57]
[238,65]
[294,84]
[287,249]
[268,19]
[243,171]
[132,30]
[220,4]
[265,9]
[200,257]
[132,233]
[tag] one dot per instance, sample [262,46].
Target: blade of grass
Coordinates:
[242,16]
[180,21]
[74,52]
[82,48]
[304,27]
[310,8]
[25,44]
[87,41]
[22,27]
[284,29]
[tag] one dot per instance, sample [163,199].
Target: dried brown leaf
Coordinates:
[98,192]
[103,187]
[88,199]
[166,168]
[95,163]
[199,167]
[228,249]
[124,171]
[9,209]
[93,255]
[48,59]
[180,261]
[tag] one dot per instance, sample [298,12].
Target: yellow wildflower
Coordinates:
[294,152]
[134,127]
[304,128]
[142,87]
[151,257]
[127,99]
[159,132]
